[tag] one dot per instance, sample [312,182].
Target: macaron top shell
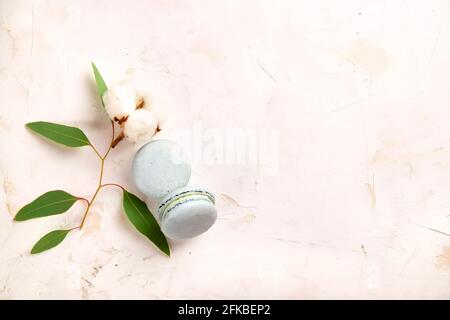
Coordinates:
[187,212]
[159,167]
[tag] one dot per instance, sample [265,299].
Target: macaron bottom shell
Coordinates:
[189,218]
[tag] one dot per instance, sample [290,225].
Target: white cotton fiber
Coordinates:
[140,125]
[120,101]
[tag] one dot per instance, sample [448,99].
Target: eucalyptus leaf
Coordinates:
[68,136]
[101,85]
[141,217]
[49,204]
[50,240]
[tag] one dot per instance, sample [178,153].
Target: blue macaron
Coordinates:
[161,171]
[187,212]
[160,167]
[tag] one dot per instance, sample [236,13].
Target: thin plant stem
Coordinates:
[112,141]
[84,199]
[95,150]
[95,194]
[100,179]
[113,185]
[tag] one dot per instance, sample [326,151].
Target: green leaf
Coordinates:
[50,240]
[68,136]
[141,217]
[101,85]
[49,204]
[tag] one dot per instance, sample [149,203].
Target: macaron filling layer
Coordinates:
[183,197]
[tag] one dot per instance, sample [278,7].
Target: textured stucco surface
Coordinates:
[356,201]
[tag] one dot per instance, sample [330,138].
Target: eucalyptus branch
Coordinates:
[100,180]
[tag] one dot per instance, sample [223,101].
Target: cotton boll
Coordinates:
[152,96]
[119,101]
[140,125]
[157,106]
